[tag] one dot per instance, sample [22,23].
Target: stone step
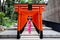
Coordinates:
[31,39]
[15,28]
[13,33]
[44,28]
[32,27]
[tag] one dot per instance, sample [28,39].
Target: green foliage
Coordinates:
[29,1]
[7,22]
[8,17]
[15,16]
[1,17]
[42,2]
[22,1]
[26,1]
[2,14]
[32,1]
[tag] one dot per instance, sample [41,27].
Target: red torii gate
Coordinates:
[25,10]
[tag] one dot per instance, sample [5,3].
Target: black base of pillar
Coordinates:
[37,30]
[18,34]
[21,31]
[41,34]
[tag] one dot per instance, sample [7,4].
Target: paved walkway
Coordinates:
[12,32]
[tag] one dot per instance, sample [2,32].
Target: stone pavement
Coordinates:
[10,34]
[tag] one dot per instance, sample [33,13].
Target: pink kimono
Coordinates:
[29,26]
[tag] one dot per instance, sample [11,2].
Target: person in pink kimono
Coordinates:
[29,26]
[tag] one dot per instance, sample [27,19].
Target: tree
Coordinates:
[0,5]
[1,17]
[8,10]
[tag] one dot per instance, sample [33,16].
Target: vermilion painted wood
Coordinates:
[23,14]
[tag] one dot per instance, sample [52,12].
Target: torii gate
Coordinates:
[33,10]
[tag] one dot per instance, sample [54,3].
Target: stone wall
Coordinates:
[52,12]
